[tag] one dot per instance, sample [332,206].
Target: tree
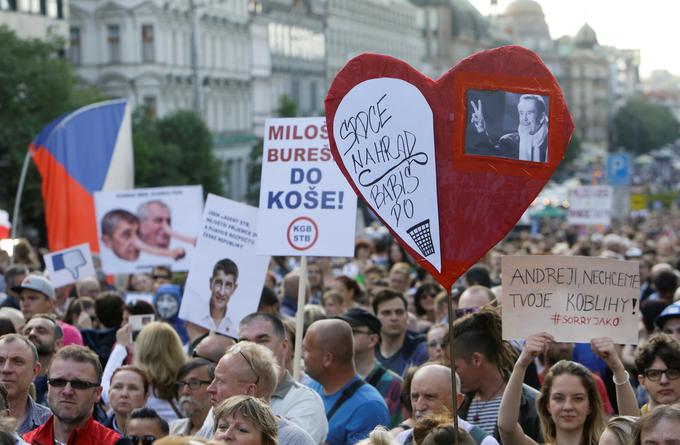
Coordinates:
[175,150]
[36,87]
[642,126]
[287,108]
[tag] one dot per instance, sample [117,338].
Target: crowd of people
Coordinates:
[377,368]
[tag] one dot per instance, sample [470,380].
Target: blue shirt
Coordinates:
[36,415]
[357,417]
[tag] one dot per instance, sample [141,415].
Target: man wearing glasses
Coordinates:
[658,361]
[250,369]
[194,400]
[74,380]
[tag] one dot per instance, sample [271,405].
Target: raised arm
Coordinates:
[604,348]
[510,430]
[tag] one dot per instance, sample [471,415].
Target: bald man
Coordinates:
[475,297]
[213,347]
[353,408]
[431,395]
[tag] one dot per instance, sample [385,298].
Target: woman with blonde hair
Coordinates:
[569,405]
[245,420]
[618,430]
[159,352]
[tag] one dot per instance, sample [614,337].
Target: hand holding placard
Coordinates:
[535,345]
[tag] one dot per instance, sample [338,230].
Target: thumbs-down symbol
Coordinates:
[71,261]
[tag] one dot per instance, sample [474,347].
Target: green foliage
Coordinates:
[566,167]
[36,87]
[641,126]
[175,150]
[287,108]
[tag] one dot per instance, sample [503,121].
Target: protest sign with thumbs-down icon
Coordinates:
[69,265]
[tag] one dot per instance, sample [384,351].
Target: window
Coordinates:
[147,43]
[74,47]
[8,5]
[113,34]
[150,106]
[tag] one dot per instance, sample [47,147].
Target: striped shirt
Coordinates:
[485,414]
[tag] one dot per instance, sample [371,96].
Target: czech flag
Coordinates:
[87,150]
[5,225]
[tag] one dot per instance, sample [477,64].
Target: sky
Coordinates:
[652,26]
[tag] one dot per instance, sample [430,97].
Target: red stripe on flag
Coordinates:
[69,208]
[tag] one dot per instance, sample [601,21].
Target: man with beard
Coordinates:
[18,367]
[74,387]
[222,287]
[194,400]
[45,333]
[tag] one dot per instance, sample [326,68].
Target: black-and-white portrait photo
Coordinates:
[507,125]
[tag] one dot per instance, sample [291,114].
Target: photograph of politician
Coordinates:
[155,228]
[120,228]
[507,125]
[223,284]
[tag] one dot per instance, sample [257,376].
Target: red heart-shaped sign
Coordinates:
[450,165]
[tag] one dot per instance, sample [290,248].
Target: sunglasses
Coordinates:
[252,368]
[75,384]
[143,440]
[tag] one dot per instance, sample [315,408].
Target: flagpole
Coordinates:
[17,199]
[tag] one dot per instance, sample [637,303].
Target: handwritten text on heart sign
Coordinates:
[384,132]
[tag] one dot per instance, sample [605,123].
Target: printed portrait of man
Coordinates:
[119,233]
[530,140]
[223,284]
[154,223]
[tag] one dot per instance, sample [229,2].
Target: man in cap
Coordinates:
[366,331]
[669,320]
[36,296]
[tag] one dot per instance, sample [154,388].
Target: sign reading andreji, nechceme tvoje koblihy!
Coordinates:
[306,206]
[142,228]
[575,299]
[226,276]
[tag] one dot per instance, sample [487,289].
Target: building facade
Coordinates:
[31,19]
[170,56]
[380,26]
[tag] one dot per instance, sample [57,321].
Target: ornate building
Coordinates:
[145,51]
[452,30]
[380,26]
[596,80]
[35,19]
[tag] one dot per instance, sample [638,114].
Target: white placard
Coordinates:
[573,298]
[226,277]
[384,132]
[69,265]
[590,205]
[306,205]
[142,228]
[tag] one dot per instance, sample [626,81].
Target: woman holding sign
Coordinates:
[569,405]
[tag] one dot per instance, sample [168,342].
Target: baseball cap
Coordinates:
[671,311]
[360,317]
[37,283]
